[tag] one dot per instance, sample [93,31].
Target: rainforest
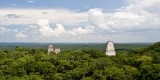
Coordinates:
[82,62]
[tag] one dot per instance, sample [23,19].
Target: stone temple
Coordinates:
[110,50]
[51,48]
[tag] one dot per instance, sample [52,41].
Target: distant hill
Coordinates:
[74,46]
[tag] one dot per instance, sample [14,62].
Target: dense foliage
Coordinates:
[86,64]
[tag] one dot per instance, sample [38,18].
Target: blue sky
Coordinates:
[69,4]
[79,20]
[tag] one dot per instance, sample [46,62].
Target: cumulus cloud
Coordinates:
[96,18]
[46,30]
[21,35]
[138,15]
[3,30]
[150,6]
[80,30]
[59,29]
[133,17]
[7,30]
[12,32]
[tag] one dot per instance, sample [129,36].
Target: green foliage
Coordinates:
[82,64]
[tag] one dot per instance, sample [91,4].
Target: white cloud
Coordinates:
[21,35]
[80,30]
[30,1]
[86,6]
[134,17]
[59,29]
[46,30]
[62,16]
[138,16]
[7,30]
[15,30]
[150,6]
[96,17]
[3,30]
[13,4]
[32,26]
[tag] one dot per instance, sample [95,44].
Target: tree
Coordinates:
[114,73]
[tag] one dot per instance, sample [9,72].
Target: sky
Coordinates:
[80,21]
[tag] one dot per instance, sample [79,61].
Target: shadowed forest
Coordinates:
[87,62]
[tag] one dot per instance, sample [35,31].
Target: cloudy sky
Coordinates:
[79,21]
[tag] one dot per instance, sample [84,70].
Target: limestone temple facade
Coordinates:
[110,50]
[51,48]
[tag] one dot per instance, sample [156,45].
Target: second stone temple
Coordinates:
[53,49]
[110,50]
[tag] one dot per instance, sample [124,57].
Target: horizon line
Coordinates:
[77,42]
